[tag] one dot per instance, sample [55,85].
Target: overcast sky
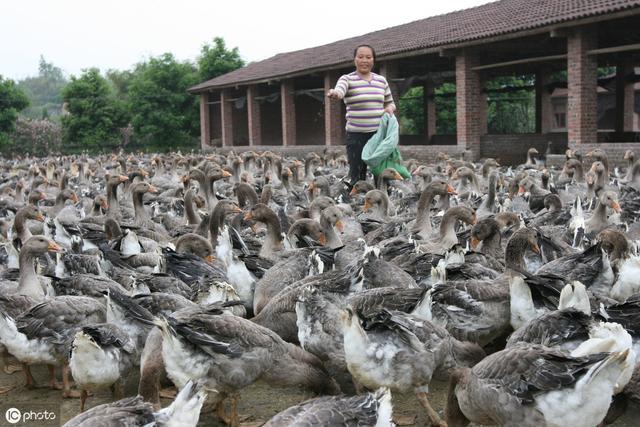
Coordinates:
[78,34]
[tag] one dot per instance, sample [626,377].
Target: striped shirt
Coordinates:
[365,100]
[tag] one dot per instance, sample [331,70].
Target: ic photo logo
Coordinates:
[13,415]
[39,415]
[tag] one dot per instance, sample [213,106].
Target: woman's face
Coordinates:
[364,60]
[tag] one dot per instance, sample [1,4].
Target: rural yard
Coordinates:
[259,402]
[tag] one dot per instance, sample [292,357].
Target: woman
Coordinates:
[367,97]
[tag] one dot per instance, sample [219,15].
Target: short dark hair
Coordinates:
[373,51]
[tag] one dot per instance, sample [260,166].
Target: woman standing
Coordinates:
[367,97]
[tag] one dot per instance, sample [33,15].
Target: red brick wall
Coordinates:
[582,74]
[468,100]
[227,119]
[332,113]
[254,118]
[287,98]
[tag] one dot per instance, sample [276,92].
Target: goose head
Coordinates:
[195,244]
[483,230]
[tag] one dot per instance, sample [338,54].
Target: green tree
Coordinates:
[412,112]
[215,59]
[120,81]
[95,115]
[164,116]
[12,100]
[44,91]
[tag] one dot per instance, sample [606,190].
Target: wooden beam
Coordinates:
[521,61]
[623,48]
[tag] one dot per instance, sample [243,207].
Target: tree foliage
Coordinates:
[44,91]
[95,115]
[36,137]
[12,100]
[215,59]
[164,116]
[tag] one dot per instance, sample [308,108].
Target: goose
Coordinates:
[184,411]
[41,334]
[100,357]
[533,385]
[402,352]
[447,236]
[370,409]
[227,353]
[20,228]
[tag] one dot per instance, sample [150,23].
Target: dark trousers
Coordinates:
[355,143]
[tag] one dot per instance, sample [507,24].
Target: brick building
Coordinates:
[280,101]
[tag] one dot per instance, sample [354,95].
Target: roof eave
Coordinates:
[460,44]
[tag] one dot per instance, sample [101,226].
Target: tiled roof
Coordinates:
[488,20]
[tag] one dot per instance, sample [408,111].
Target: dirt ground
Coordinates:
[258,403]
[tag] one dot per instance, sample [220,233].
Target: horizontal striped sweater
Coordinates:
[365,100]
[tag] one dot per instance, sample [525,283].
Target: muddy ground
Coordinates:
[258,402]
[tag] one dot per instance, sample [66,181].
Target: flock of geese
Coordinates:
[521,285]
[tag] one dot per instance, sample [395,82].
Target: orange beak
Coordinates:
[312,186]
[353,191]
[398,177]
[521,190]
[451,190]
[104,205]
[616,207]
[209,258]
[39,217]
[414,172]
[54,247]
[123,178]
[474,219]
[474,242]
[225,174]
[75,198]
[152,189]
[248,216]
[535,248]
[237,210]
[322,239]
[340,225]
[367,206]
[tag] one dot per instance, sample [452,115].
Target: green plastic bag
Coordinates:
[381,150]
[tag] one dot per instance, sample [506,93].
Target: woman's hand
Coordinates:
[333,94]
[390,108]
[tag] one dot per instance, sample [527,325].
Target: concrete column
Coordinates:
[624,98]
[544,108]
[468,98]
[205,121]
[254,118]
[582,78]
[226,114]
[332,113]
[288,105]
[429,105]
[389,69]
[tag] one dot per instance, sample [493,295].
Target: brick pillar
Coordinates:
[624,98]
[582,75]
[389,69]
[544,108]
[288,112]
[468,98]
[254,118]
[429,104]
[205,121]
[226,114]
[332,113]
